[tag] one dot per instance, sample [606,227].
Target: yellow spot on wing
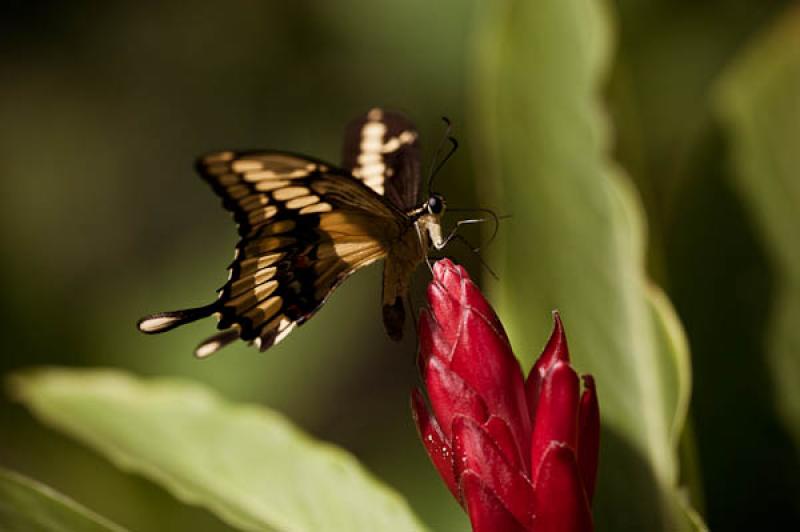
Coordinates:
[316,208]
[252,281]
[253,202]
[258,216]
[303,201]
[288,193]
[268,244]
[260,175]
[248,266]
[250,298]
[276,228]
[264,310]
[284,330]
[246,165]
[218,157]
[270,184]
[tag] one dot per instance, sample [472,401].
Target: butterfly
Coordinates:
[305,226]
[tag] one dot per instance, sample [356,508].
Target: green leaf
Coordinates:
[576,243]
[29,506]
[245,463]
[758,102]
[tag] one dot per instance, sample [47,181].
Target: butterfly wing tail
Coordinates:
[218,341]
[166,321]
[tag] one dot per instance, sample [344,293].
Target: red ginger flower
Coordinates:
[519,454]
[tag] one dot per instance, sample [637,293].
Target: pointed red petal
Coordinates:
[450,397]
[556,417]
[445,271]
[474,450]
[484,360]
[560,503]
[504,438]
[431,342]
[433,440]
[459,269]
[445,308]
[444,295]
[473,297]
[588,436]
[555,350]
[486,512]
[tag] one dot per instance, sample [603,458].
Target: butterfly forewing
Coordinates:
[382,150]
[304,227]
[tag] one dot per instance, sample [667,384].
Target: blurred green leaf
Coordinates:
[245,463]
[758,102]
[29,506]
[576,243]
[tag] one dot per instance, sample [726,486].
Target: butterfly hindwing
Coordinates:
[304,228]
[382,150]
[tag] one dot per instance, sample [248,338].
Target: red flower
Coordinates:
[519,455]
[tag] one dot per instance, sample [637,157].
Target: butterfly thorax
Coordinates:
[406,253]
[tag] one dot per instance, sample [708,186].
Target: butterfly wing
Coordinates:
[304,228]
[381,149]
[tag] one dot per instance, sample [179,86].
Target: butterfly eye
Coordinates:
[435,204]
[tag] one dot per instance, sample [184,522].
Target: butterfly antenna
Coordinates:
[436,166]
[453,149]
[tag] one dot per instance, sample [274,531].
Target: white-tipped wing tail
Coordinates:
[166,321]
[218,341]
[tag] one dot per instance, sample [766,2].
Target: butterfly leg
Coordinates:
[454,232]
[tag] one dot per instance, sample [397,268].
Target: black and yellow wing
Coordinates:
[381,148]
[304,227]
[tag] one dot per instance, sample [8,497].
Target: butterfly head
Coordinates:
[428,218]
[435,205]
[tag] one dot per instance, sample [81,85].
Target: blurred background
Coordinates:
[104,106]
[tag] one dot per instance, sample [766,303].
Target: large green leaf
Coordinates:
[576,243]
[29,506]
[758,101]
[245,463]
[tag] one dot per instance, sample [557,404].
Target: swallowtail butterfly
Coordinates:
[306,225]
